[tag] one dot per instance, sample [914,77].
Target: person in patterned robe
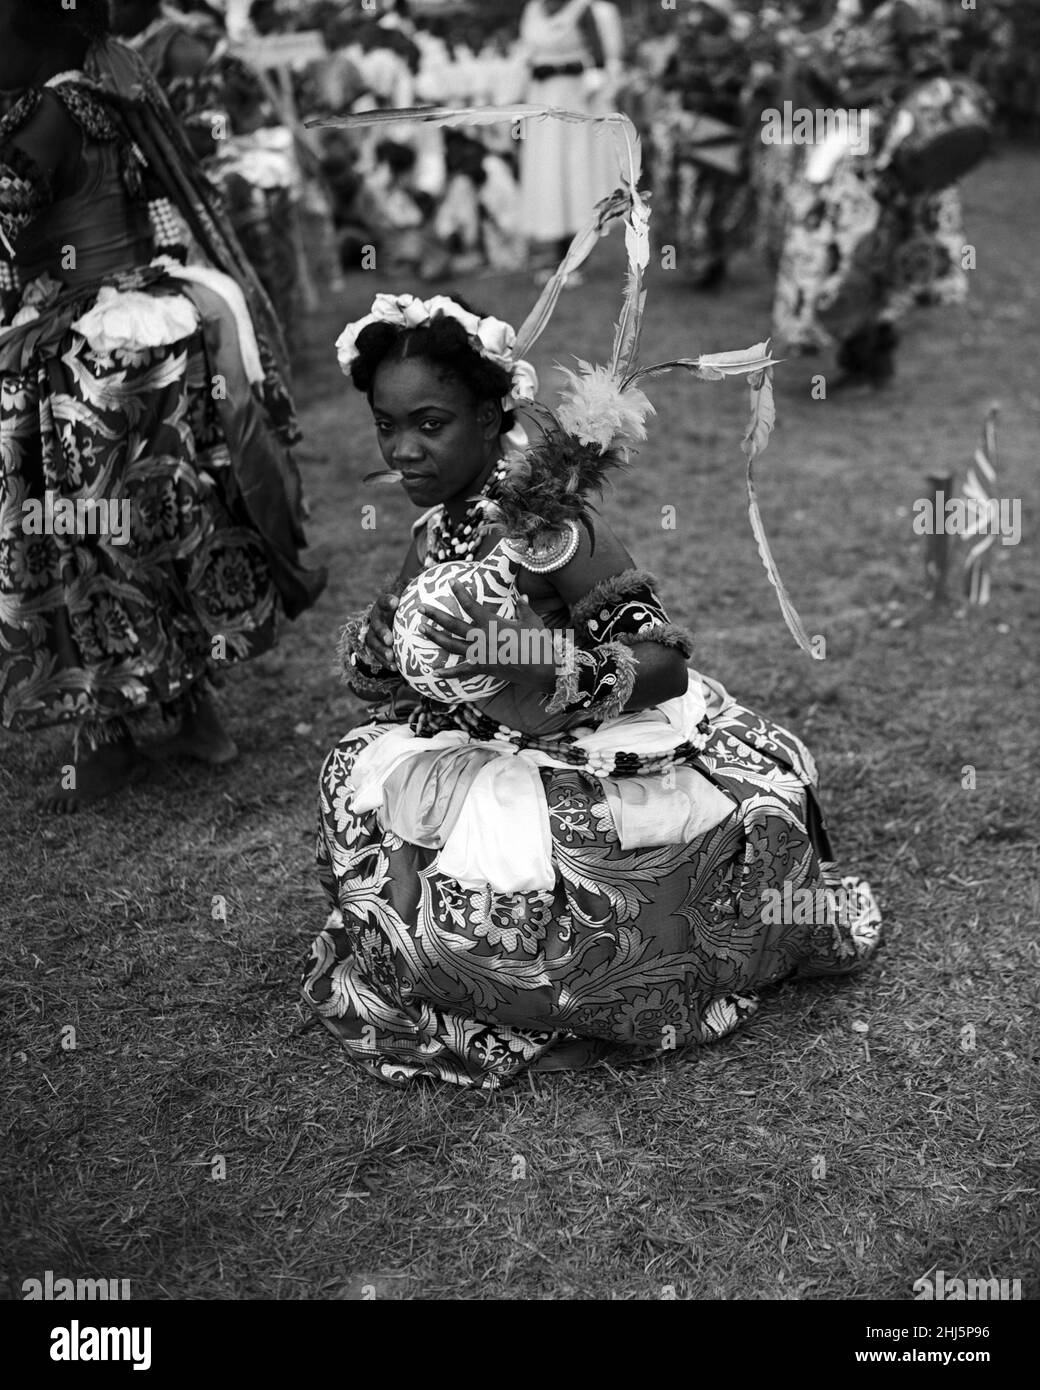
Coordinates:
[593,856]
[150,509]
[861,249]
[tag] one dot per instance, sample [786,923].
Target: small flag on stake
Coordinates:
[983,524]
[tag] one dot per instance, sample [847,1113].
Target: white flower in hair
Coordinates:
[346,343]
[497,340]
[413,311]
[525,382]
[441,304]
[490,337]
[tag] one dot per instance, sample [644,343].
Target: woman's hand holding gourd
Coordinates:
[519,650]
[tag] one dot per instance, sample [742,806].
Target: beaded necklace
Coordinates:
[460,540]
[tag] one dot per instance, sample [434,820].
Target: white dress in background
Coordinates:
[603,88]
[566,169]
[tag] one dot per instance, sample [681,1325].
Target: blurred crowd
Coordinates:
[312,203]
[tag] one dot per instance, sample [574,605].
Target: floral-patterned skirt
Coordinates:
[128,566]
[649,949]
[859,250]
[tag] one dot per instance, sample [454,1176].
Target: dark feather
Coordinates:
[553,483]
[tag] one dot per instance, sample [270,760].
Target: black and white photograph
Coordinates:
[519,657]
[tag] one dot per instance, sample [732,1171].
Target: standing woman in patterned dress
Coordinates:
[787,50]
[863,246]
[150,516]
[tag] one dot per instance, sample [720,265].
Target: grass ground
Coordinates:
[855,1137]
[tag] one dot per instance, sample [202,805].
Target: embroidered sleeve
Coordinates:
[598,683]
[625,609]
[25,191]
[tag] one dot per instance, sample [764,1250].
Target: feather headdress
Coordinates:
[603,411]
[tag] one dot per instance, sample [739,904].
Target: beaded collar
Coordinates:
[460,540]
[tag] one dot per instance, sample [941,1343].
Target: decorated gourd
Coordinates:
[426,666]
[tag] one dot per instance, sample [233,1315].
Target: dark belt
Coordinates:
[544,71]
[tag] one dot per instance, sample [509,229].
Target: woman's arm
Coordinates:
[37,160]
[621,653]
[366,644]
[45,149]
[602,579]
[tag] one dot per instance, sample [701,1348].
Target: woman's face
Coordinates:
[432,430]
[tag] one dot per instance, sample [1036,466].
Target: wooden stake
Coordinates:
[937,555]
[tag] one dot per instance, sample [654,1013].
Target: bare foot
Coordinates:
[201,736]
[98,773]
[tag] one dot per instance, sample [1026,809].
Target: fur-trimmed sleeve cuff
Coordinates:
[608,594]
[625,608]
[599,683]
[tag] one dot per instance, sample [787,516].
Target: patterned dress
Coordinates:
[149,509]
[645,949]
[861,250]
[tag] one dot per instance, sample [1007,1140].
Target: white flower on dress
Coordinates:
[129,319]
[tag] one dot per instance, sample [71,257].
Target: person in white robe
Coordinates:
[574,54]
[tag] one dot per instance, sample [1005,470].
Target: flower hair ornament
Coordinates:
[489,337]
[602,413]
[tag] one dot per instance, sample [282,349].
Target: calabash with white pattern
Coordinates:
[426,666]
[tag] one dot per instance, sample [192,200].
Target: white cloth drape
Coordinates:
[484,806]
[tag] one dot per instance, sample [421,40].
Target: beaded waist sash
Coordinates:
[602,758]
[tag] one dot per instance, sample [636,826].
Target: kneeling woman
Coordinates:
[595,852]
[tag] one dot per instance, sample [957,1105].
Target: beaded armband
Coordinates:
[170,232]
[367,681]
[551,551]
[598,683]
[626,609]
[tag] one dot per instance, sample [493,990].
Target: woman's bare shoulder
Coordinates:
[598,555]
